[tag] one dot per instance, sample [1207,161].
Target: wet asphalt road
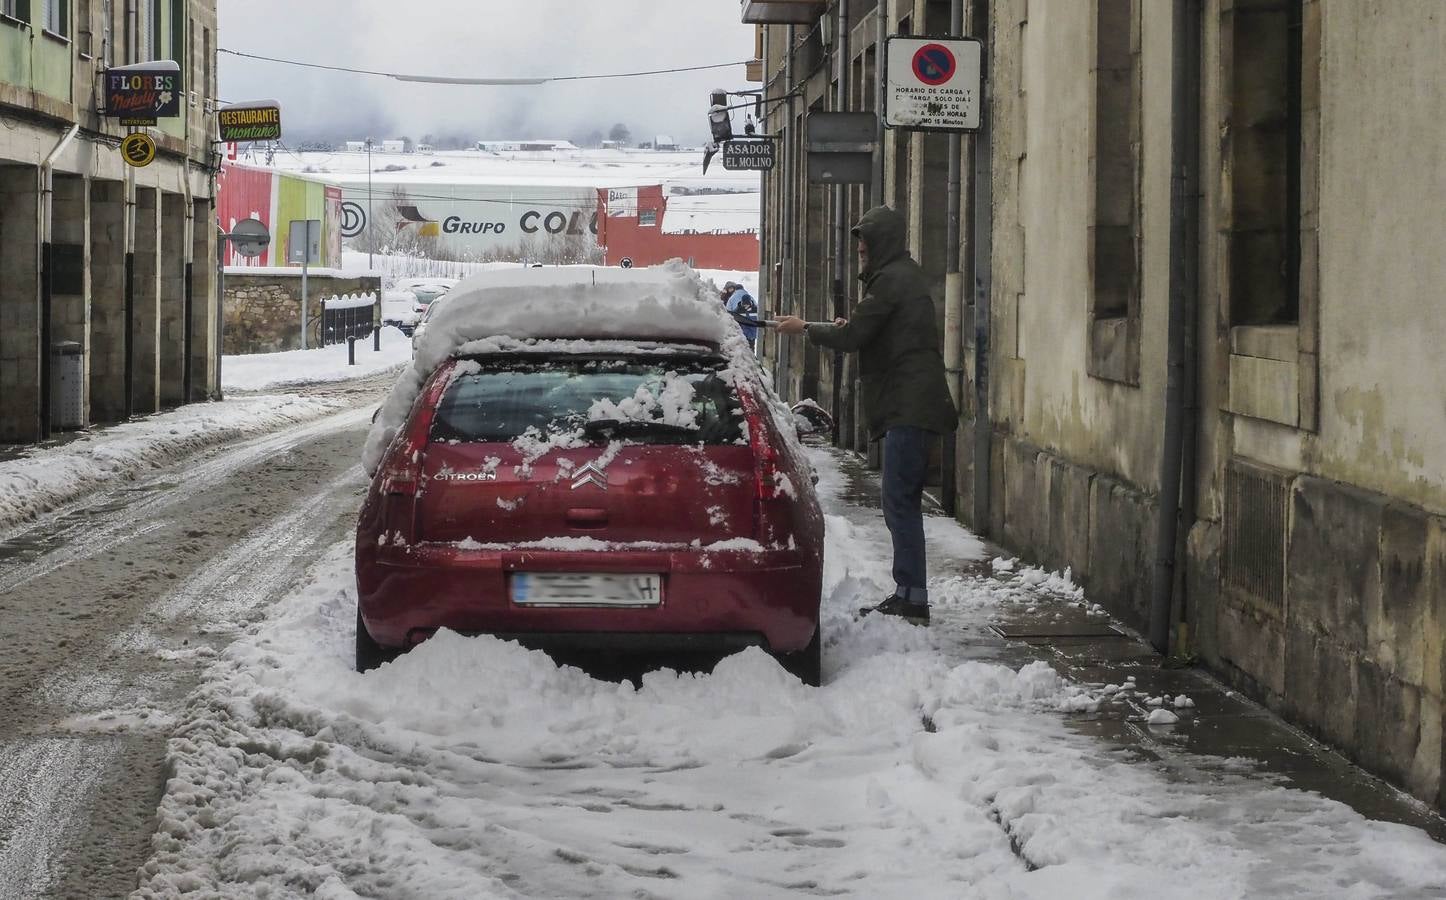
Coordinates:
[110,611]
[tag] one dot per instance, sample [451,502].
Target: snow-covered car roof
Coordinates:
[426,281]
[622,307]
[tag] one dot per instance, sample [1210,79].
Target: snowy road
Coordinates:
[924,767]
[109,610]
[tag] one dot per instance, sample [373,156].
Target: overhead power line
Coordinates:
[443,79]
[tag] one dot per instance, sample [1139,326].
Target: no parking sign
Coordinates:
[934,84]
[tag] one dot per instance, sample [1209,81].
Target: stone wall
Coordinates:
[262,311]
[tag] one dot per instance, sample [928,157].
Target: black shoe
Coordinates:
[911,611]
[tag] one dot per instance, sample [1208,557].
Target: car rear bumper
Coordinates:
[710,599]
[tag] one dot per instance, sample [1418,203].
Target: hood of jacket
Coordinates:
[886,234]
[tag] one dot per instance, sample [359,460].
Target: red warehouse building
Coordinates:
[709,231]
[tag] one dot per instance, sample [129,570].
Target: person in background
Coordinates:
[905,390]
[744,309]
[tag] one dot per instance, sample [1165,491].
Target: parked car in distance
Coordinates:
[426,289]
[399,310]
[419,331]
[405,303]
[630,494]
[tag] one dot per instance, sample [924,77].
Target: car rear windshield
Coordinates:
[668,401]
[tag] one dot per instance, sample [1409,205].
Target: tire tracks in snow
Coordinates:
[120,514]
[31,792]
[113,606]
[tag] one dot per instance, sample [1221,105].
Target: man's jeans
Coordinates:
[906,466]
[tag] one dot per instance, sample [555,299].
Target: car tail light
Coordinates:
[401,474]
[772,507]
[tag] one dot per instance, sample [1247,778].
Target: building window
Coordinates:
[145,37]
[1114,227]
[16,9]
[1265,240]
[647,217]
[56,16]
[84,34]
[1270,77]
[206,62]
[107,45]
[178,40]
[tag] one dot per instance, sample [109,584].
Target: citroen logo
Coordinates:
[590,474]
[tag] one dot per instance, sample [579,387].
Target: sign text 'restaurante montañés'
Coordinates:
[250,123]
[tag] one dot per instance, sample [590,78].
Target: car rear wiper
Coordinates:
[636,426]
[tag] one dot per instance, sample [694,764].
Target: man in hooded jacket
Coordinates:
[905,390]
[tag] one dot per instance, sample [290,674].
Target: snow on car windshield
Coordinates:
[660,303]
[590,400]
[666,401]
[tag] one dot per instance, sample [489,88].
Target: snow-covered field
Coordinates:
[675,170]
[473,768]
[47,477]
[264,371]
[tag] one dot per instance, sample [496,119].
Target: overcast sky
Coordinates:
[484,38]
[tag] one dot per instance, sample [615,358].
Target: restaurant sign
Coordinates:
[144,92]
[258,120]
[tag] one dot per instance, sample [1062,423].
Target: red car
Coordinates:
[642,497]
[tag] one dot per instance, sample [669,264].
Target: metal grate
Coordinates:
[1254,554]
[339,324]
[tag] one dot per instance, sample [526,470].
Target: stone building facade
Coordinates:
[1194,292]
[118,259]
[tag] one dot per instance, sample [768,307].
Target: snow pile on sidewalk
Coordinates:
[474,768]
[266,371]
[47,477]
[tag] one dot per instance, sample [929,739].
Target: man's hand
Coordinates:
[840,322]
[791,325]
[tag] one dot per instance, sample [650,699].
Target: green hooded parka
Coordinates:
[893,329]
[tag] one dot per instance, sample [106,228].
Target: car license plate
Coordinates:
[585,589]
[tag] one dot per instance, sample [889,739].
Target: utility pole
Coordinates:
[370,221]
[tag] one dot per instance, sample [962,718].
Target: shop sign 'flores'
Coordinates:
[143,93]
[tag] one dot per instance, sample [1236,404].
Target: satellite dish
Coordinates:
[250,237]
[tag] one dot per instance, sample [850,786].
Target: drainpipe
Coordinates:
[786,201]
[47,271]
[128,330]
[881,37]
[840,215]
[765,236]
[953,297]
[187,270]
[1184,111]
[983,277]
[223,245]
[1189,494]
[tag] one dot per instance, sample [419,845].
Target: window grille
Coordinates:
[1255,519]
